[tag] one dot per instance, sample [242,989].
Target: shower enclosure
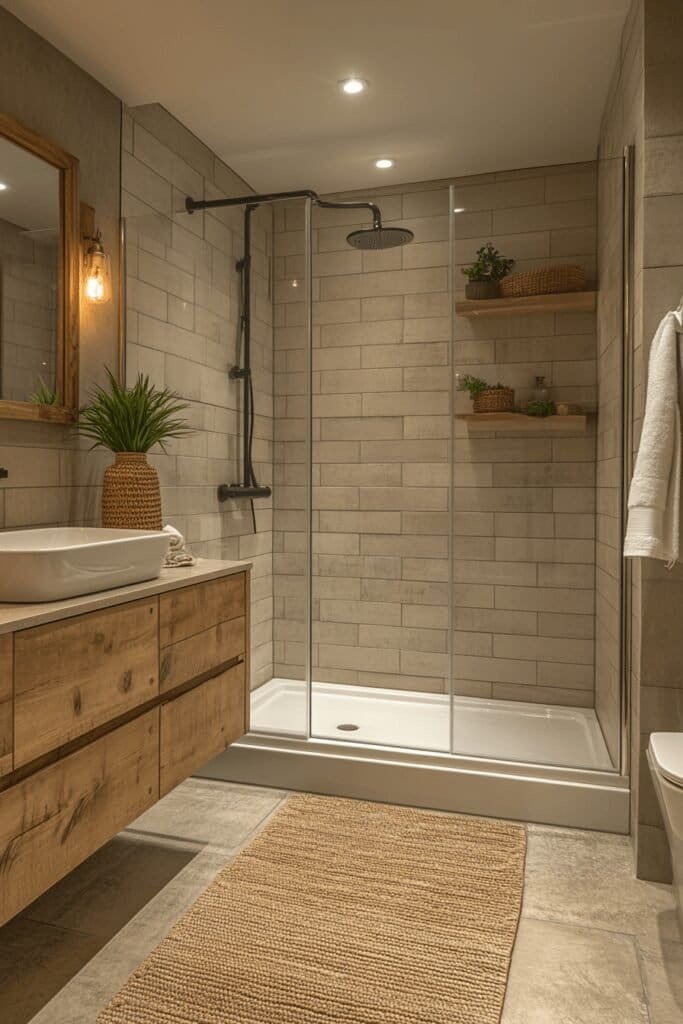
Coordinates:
[434,578]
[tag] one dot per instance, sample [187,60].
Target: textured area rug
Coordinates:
[344,912]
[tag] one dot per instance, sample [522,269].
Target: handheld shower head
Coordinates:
[379,238]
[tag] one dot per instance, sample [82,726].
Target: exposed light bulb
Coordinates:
[384,163]
[352,86]
[3,186]
[458,209]
[94,288]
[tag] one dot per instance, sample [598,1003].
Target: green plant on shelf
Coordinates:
[488,266]
[474,386]
[541,408]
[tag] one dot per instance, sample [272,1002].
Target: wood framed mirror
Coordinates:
[40,261]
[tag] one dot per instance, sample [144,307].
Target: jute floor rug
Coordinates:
[344,912]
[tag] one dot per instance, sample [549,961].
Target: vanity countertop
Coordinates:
[14,617]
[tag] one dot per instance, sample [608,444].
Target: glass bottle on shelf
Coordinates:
[541,392]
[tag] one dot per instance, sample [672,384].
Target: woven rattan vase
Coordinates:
[495,400]
[131,499]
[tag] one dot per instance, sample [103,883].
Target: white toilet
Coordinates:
[665,755]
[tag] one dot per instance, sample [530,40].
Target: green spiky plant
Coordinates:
[489,265]
[44,394]
[474,386]
[132,419]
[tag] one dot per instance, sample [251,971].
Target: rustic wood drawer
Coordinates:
[190,610]
[202,653]
[74,675]
[60,815]
[6,687]
[200,724]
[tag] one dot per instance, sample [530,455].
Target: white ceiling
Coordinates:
[456,86]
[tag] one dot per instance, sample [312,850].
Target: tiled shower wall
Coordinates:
[183,309]
[523,506]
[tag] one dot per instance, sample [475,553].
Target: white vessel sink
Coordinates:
[52,564]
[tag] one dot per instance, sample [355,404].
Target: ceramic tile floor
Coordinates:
[595,946]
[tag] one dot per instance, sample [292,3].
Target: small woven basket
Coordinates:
[131,499]
[495,400]
[566,277]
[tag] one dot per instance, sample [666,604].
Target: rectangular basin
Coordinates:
[55,563]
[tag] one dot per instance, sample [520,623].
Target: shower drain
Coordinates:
[348,727]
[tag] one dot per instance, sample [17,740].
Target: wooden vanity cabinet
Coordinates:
[104,712]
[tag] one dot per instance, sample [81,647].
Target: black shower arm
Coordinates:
[191,205]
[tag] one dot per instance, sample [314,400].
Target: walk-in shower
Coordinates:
[433,586]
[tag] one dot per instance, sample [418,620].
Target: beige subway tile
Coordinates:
[402,638]
[406,403]
[527,549]
[472,595]
[501,449]
[478,644]
[404,591]
[421,663]
[367,612]
[336,359]
[545,599]
[360,522]
[336,311]
[544,474]
[503,499]
[425,616]
[404,498]
[405,545]
[336,406]
[488,620]
[542,648]
[381,450]
[474,547]
[579,184]
[473,524]
[425,569]
[359,658]
[429,354]
[325,452]
[524,524]
[350,381]
[426,474]
[497,573]
[551,624]
[333,588]
[425,254]
[427,304]
[368,429]
[550,216]
[427,426]
[494,670]
[391,282]
[557,575]
[366,474]
[329,543]
[386,307]
[567,676]
[425,523]
[574,500]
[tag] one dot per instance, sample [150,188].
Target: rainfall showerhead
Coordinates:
[379,238]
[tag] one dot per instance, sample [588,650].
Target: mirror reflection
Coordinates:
[30,273]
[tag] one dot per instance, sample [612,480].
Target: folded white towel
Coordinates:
[177,553]
[654,498]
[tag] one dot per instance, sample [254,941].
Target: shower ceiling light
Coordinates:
[2,186]
[352,86]
[384,163]
[458,209]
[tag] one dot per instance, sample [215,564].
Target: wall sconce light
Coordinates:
[97,270]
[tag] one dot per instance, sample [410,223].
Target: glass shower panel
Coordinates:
[524,508]
[381,477]
[280,702]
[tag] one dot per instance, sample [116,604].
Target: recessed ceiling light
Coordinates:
[384,163]
[458,209]
[2,186]
[352,86]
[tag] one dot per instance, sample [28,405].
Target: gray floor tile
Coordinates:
[588,879]
[219,813]
[562,974]
[664,984]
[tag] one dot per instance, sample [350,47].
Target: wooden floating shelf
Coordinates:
[486,422]
[567,302]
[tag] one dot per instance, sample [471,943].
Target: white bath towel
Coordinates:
[654,498]
[177,553]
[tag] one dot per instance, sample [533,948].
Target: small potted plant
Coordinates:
[485,273]
[486,398]
[130,421]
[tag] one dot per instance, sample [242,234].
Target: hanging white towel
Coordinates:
[654,498]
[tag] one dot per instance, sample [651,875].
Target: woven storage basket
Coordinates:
[566,277]
[495,400]
[130,494]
